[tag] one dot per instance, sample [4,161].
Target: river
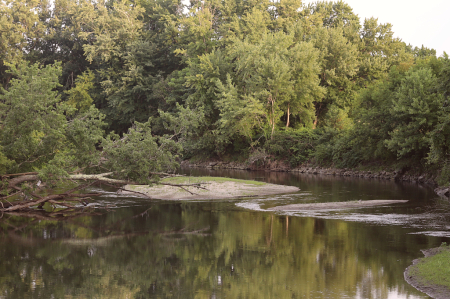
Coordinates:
[129,247]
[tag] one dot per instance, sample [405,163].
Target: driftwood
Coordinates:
[30,198]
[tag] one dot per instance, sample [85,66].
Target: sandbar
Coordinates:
[211,188]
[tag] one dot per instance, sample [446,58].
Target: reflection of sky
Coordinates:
[415,22]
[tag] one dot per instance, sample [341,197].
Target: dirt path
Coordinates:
[214,190]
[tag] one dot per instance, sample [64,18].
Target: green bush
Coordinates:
[296,146]
[340,148]
[444,177]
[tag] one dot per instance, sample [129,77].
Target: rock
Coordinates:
[443,192]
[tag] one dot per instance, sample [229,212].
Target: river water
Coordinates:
[129,247]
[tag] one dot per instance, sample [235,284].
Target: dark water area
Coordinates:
[139,248]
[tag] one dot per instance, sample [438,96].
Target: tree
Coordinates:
[416,106]
[20,31]
[32,116]
[44,139]
[335,15]
[379,51]
[280,73]
[339,66]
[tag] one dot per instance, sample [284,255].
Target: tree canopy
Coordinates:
[125,87]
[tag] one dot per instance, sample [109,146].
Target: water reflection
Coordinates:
[198,250]
[325,188]
[209,250]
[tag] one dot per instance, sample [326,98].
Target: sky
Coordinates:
[424,22]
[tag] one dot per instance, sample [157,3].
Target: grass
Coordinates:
[435,269]
[207,179]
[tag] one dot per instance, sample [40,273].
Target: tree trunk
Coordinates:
[315,123]
[273,117]
[287,122]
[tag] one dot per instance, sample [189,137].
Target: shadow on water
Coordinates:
[160,249]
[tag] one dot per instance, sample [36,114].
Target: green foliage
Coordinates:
[444,176]
[138,155]
[281,74]
[333,14]
[64,21]
[296,146]
[198,36]
[379,52]
[32,119]
[78,96]
[374,120]
[440,135]
[416,105]
[339,66]
[239,116]
[20,27]
[5,163]
[423,52]
[226,77]
[84,133]
[337,118]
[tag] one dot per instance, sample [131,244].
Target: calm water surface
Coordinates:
[226,249]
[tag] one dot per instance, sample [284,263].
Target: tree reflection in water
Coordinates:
[202,250]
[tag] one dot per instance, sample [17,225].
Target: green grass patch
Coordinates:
[208,179]
[435,269]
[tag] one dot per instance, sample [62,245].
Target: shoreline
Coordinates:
[434,291]
[280,167]
[277,166]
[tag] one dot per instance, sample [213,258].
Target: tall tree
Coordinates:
[20,31]
[280,73]
[379,51]
[339,66]
[416,106]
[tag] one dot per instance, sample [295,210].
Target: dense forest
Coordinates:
[126,88]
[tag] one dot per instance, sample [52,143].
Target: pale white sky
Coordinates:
[416,22]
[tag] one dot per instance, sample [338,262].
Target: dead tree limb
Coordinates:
[196,185]
[137,192]
[63,198]
[102,177]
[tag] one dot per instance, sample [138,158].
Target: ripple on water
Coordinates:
[419,221]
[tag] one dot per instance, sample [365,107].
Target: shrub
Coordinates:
[296,146]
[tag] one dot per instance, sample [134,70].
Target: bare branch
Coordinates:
[99,177]
[11,195]
[60,203]
[192,193]
[196,185]
[18,174]
[167,174]
[28,204]
[137,192]
[22,179]
[80,187]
